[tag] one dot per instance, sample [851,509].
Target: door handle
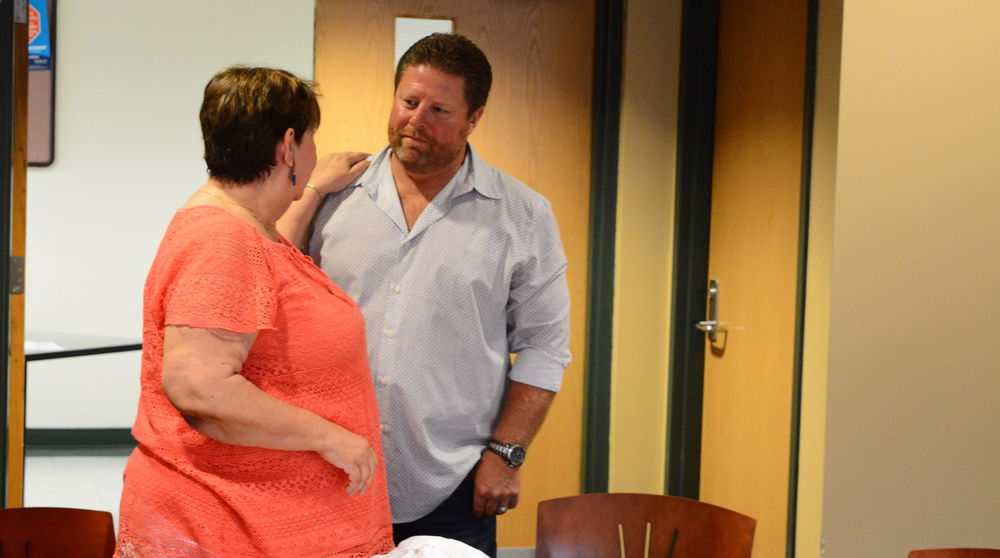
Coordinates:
[711,326]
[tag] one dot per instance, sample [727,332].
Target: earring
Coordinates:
[291,175]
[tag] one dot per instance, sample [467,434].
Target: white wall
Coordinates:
[912,450]
[128,151]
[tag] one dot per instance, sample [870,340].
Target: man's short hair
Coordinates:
[244,115]
[455,55]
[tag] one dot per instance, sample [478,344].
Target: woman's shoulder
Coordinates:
[208,229]
[202,218]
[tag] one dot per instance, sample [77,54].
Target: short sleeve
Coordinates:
[220,279]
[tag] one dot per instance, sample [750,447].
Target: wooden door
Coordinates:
[753,254]
[536,127]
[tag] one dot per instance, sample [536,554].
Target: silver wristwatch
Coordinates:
[512,454]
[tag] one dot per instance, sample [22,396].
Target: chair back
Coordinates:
[956,553]
[56,532]
[587,526]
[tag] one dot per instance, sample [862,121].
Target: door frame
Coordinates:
[609,25]
[13,145]
[692,217]
[7,36]
[13,207]
[695,143]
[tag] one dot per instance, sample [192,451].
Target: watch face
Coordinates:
[516,456]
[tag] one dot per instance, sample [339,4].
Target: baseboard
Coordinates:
[78,437]
[525,552]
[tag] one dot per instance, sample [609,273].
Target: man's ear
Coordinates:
[286,149]
[474,119]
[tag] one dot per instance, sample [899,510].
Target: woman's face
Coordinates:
[305,157]
[304,161]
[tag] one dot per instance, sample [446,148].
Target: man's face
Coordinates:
[430,121]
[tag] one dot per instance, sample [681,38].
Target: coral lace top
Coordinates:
[189,495]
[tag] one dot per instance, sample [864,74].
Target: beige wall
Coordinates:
[912,450]
[644,246]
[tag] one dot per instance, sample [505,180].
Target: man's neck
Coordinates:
[427,184]
[416,190]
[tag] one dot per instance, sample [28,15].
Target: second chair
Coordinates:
[615,525]
[56,533]
[956,553]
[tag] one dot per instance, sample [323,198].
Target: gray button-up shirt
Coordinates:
[480,276]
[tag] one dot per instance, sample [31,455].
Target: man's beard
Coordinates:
[434,157]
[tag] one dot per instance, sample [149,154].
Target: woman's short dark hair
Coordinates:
[455,55]
[244,115]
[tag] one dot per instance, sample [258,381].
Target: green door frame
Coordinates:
[606,116]
[692,217]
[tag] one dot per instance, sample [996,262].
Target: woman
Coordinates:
[257,422]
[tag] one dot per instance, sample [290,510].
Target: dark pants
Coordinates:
[454,519]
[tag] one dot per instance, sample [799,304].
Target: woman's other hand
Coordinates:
[355,456]
[336,170]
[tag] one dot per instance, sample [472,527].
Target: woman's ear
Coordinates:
[286,148]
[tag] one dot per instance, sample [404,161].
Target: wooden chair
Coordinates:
[587,526]
[56,533]
[956,553]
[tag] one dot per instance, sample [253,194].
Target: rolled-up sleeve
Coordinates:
[538,308]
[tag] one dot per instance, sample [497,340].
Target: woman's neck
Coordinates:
[253,200]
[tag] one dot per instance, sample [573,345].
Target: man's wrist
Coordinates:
[512,454]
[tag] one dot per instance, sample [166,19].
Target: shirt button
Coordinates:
[389,333]
[384,381]
[397,288]
[383,427]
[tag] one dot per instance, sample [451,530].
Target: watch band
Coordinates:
[512,454]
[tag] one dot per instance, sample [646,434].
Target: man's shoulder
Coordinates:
[495,182]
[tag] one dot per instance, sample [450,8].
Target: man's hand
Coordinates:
[336,170]
[497,486]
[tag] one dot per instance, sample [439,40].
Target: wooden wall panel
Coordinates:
[536,127]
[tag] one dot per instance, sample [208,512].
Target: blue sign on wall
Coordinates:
[39,40]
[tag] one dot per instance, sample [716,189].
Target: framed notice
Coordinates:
[41,81]
[411,29]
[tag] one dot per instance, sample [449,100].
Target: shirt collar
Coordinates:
[474,174]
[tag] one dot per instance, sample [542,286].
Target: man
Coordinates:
[455,266]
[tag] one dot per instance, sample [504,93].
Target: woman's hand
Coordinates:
[354,456]
[203,380]
[336,170]
[332,174]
